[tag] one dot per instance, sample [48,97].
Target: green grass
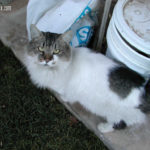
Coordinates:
[32,118]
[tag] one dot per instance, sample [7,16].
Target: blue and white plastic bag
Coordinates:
[58,16]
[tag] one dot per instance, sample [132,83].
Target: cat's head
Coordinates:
[49,49]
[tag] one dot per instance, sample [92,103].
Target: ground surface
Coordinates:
[32,119]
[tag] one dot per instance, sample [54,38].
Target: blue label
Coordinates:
[87,10]
[83,34]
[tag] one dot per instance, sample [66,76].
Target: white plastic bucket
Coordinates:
[125,45]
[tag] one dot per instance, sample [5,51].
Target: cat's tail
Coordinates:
[147,91]
[145,106]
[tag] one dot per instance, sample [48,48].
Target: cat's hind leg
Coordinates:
[109,127]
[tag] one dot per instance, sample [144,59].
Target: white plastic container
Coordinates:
[128,35]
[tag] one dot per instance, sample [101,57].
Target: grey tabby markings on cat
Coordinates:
[145,106]
[48,42]
[122,80]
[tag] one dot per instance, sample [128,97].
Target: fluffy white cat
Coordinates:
[103,86]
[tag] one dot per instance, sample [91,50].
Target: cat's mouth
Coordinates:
[48,64]
[51,65]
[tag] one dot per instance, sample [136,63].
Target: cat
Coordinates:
[101,85]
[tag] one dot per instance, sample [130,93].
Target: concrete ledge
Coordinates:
[13,34]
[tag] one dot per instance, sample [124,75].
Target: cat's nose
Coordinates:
[48,58]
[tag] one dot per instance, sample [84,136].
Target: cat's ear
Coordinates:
[35,32]
[67,36]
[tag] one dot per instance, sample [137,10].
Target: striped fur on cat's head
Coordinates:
[50,48]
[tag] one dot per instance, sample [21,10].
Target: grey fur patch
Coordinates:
[50,38]
[120,125]
[122,80]
[145,105]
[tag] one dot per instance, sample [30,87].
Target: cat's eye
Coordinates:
[41,49]
[56,51]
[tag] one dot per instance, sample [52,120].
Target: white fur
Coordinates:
[85,79]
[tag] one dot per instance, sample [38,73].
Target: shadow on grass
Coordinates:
[31,118]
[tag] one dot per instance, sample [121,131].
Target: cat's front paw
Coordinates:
[105,127]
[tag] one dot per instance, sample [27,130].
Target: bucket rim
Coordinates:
[125,30]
